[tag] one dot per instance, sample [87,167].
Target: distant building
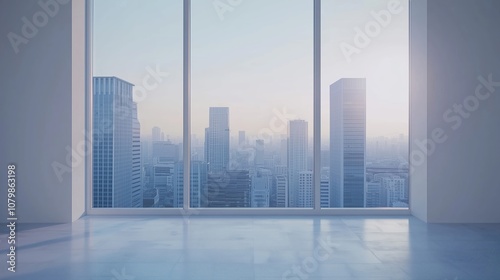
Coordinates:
[259,153]
[229,189]
[281,170]
[394,188]
[374,195]
[297,158]
[281,191]
[325,193]
[241,138]
[162,180]
[217,139]
[347,142]
[305,189]
[165,151]
[284,152]
[262,184]
[156,134]
[151,198]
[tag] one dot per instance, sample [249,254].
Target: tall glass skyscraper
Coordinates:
[347,142]
[217,139]
[116,145]
[297,158]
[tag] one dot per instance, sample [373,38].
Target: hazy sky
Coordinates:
[257,59]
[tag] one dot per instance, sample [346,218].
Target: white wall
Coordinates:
[461,183]
[38,110]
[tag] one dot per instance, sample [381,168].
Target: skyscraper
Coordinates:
[162,174]
[394,189]
[262,183]
[156,134]
[217,139]
[347,142]
[229,189]
[241,138]
[374,195]
[259,153]
[297,158]
[165,151]
[137,184]
[114,144]
[305,189]
[281,191]
[325,193]
[151,198]
[284,152]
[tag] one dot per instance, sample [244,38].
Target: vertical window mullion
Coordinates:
[187,102]
[317,106]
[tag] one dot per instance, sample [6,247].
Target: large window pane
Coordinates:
[137,103]
[365,103]
[252,103]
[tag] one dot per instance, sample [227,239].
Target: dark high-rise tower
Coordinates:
[115,144]
[217,139]
[347,142]
[297,158]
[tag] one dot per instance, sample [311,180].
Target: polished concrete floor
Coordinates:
[240,248]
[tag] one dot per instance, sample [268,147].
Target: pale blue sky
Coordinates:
[258,58]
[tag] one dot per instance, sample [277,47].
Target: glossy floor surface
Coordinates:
[240,248]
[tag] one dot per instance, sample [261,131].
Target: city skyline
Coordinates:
[251,103]
[134,172]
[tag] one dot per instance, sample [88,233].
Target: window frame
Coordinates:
[187,211]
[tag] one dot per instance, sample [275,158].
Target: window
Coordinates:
[251,89]
[365,103]
[137,103]
[248,134]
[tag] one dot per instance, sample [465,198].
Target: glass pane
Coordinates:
[137,103]
[365,103]
[252,103]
